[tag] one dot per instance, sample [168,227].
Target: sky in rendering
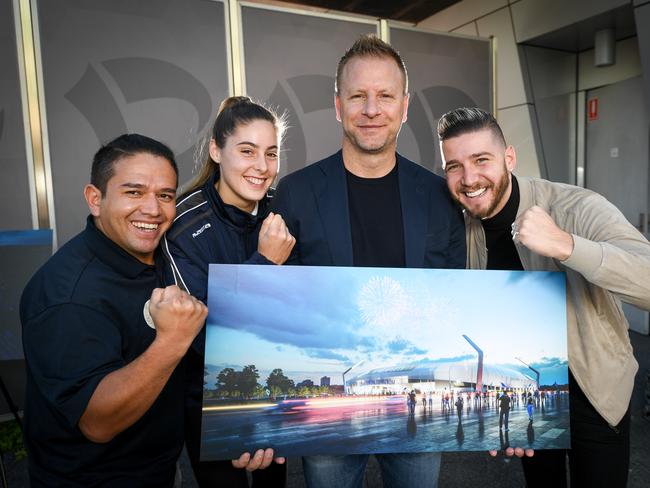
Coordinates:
[316,321]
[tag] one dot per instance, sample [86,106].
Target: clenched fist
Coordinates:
[275,241]
[536,230]
[178,316]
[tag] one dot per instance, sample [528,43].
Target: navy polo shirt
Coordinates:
[82,317]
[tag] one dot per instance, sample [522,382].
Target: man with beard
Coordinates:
[368,206]
[533,224]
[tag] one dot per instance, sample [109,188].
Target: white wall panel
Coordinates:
[510,83]
[467,29]
[461,13]
[518,130]
[533,18]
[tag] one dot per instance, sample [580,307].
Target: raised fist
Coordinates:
[177,315]
[275,241]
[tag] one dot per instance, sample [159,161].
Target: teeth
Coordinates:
[145,226]
[476,193]
[255,181]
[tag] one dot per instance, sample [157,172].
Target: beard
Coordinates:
[499,190]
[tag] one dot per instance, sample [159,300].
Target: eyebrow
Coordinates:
[248,143]
[140,186]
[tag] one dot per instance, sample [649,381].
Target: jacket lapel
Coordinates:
[333,208]
[414,200]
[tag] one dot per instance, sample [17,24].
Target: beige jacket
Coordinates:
[610,262]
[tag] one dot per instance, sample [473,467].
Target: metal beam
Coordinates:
[479,369]
[33,109]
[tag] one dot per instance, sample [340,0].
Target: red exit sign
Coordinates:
[592,109]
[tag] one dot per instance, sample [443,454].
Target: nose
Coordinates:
[371,108]
[261,165]
[150,205]
[470,176]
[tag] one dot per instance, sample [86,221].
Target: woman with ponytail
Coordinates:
[223,218]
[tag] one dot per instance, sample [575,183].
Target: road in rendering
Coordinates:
[377,424]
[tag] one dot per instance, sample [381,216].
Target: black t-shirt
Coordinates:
[501,250]
[82,317]
[376,220]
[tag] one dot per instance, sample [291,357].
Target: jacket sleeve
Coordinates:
[257,258]
[281,204]
[189,274]
[457,253]
[609,252]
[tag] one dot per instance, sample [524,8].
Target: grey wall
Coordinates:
[14,179]
[535,17]
[642,20]
[290,63]
[109,67]
[514,104]
[551,80]
[445,72]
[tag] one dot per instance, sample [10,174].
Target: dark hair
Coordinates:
[121,147]
[370,45]
[463,120]
[233,112]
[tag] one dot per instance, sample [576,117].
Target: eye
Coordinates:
[133,193]
[272,155]
[166,197]
[246,151]
[450,167]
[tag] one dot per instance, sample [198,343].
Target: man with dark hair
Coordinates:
[368,206]
[533,224]
[102,337]
[103,166]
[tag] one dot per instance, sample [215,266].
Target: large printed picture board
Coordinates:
[335,360]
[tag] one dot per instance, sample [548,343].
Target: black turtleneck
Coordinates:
[502,253]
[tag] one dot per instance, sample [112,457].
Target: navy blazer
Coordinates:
[313,201]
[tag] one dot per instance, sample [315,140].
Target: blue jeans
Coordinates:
[417,470]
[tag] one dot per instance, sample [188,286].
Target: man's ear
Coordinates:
[407,98]
[93,197]
[215,151]
[337,107]
[511,158]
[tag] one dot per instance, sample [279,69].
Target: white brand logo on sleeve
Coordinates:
[147,316]
[198,232]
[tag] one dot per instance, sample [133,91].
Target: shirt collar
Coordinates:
[114,256]
[236,217]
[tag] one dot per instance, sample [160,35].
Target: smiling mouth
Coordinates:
[254,180]
[145,226]
[475,193]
